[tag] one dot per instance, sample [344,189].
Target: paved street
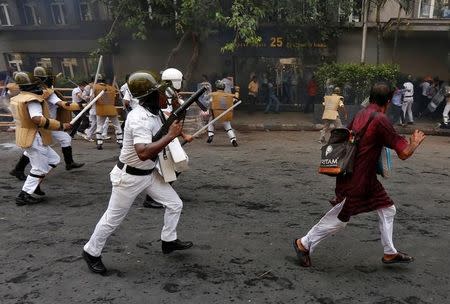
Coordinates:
[242,208]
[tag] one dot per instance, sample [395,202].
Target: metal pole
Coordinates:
[364,35]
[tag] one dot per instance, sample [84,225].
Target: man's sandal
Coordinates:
[400,257]
[303,256]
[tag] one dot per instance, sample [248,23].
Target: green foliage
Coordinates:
[358,76]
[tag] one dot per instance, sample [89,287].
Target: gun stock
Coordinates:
[178,114]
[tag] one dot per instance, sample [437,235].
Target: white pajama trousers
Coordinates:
[337,123]
[90,132]
[407,110]
[228,129]
[42,160]
[445,113]
[126,188]
[330,224]
[100,124]
[63,138]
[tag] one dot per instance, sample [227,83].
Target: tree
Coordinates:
[407,6]
[195,20]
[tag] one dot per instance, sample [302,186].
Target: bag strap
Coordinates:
[361,132]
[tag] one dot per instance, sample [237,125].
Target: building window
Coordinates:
[86,11]
[59,13]
[15,62]
[71,68]
[4,15]
[44,62]
[31,14]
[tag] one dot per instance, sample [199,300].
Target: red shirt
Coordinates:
[362,191]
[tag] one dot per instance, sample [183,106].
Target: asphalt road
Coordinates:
[242,208]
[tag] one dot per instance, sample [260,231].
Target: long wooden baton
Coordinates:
[213,121]
[87,107]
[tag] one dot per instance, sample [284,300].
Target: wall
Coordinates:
[419,54]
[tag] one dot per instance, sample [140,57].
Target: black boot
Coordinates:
[168,247]
[150,203]
[68,159]
[38,191]
[25,199]
[19,170]
[234,143]
[210,139]
[95,264]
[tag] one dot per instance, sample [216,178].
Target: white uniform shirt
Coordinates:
[140,127]
[127,96]
[425,85]
[86,95]
[53,105]
[75,93]
[34,109]
[228,85]
[408,94]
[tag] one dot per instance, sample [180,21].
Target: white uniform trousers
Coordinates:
[407,109]
[63,138]
[42,160]
[330,224]
[126,188]
[327,126]
[100,123]
[445,113]
[90,132]
[228,129]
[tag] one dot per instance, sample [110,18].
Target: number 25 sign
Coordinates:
[276,42]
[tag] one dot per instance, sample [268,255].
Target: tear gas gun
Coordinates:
[180,112]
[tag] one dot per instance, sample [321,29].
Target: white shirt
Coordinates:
[228,85]
[53,105]
[35,109]
[408,95]
[86,95]
[128,96]
[75,93]
[140,127]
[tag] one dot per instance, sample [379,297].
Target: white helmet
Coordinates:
[173,75]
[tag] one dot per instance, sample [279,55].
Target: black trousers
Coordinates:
[81,124]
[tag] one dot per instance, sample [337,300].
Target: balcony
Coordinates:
[417,25]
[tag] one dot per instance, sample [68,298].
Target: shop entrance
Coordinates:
[288,76]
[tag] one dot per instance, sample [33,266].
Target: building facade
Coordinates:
[62,33]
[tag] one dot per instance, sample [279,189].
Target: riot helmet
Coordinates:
[144,85]
[45,75]
[220,85]
[27,82]
[174,77]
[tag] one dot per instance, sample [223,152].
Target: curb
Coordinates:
[300,127]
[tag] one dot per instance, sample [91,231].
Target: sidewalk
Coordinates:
[297,121]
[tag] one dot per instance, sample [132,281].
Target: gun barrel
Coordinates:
[177,113]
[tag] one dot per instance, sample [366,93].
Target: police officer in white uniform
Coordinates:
[90,132]
[55,104]
[135,172]
[33,126]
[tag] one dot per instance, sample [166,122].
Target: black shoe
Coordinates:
[99,147]
[150,203]
[168,247]
[38,191]
[18,174]
[234,143]
[95,264]
[210,139]
[74,166]
[25,199]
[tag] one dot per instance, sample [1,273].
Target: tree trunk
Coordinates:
[378,34]
[194,58]
[397,28]
[175,50]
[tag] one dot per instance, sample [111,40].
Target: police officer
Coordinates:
[105,108]
[59,110]
[221,101]
[332,104]
[33,126]
[135,172]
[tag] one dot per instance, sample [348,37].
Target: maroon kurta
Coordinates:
[362,191]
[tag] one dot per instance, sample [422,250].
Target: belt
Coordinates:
[133,170]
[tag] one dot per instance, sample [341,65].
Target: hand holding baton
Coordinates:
[87,107]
